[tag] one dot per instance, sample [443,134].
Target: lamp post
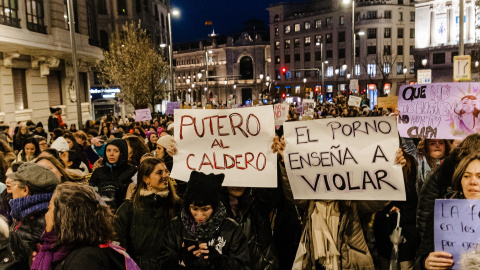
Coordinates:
[206,69]
[424,62]
[405,72]
[323,67]
[225,82]
[175,12]
[336,76]
[353,33]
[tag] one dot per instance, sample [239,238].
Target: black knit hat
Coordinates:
[204,188]
[53,110]
[39,124]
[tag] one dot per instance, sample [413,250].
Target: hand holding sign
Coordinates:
[438,260]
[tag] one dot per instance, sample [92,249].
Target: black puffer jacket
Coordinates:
[254,207]
[112,180]
[230,242]
[92,258]
[139,230]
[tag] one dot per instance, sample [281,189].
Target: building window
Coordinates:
[387,68]
[357,51]
[75,14]
[287,58]
[412,49]
[246,68]
[341,36]
[298,74]
[296,57]
[296,43]
[399,67]
[318,56]
[102,6]
[400,50]
[122,7]
[372,33]
[286,29]
[146,4]
[276,31]
[104,40]
[371,15]
[307,57]
[387,14]
[412,67]
[276,18]
[157,17]
[341,53]
[35,16]
[9,13]
[387,50]
[277,45]
[329,22]
[412,16]
[138,6]
[277,59]
[54,82]
[308,74]
[341,20]
[341,72]
[372,70]
[400,33]
[297,27]
[329,54]
[357,69]
[318,23]
[306,41]
[439,58]
[83,86]
[318,39]
[357,16]
[19,89]
[92,23]
[372,50]
[329,71]
[328,38]
[400,16]
[412,33]
[388,33]
[287,44]
[306,25]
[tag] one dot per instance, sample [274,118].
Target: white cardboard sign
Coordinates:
[235,142]
[280,112]
[344,159]
[354,101]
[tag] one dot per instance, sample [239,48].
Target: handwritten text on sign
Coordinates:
[439,110]
[235,142]
[457,227]
[344,159]
[280,113]
[143,115]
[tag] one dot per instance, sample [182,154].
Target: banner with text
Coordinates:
[236,142]
[439,110]
[387,102]
[344,159]
[280,112]
[143,115]
[457,227]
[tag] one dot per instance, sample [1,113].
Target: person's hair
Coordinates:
[425,152]
[4,147]
[58,132]
[93,132]
[142,132]
[469,145]
[70,136]
[108,133]
[78,217]
[15,165]
[89,125]
[81,135]
[66,176]
[138,147]
[3,168]
[144,170]
[118,134]
[75,159]
[35,143]
[460,171]
[52,152]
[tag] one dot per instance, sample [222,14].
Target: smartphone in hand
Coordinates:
[188,242]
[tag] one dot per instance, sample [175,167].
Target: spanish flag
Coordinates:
[208,23]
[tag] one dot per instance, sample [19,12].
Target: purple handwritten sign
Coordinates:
[171,106]
[439,110]
[457,227]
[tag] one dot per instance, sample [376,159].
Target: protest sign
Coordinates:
[387,102]
[280,112]
[344,159]
[354,101]
[457,227]
[143,115]
[171,106]
[236,142]
[439,110]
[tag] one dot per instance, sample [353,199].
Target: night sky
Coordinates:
[227,16]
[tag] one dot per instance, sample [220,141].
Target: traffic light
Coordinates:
[284,95]
[283,70]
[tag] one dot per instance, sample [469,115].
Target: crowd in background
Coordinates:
[102,198]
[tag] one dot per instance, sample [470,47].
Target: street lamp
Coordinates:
[405,72]
[199,76]
[424,62]
[348,76]
[261,76]
[344,67]
[176,13]
[476,63]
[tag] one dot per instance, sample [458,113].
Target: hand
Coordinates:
[278,145]
[399,159]
[394,210]
[172,150]
[439,260]
[202,249]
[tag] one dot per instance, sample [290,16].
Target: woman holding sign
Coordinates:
[466,183]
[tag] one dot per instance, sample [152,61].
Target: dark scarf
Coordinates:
[49,253]
[205,230]
[22,207]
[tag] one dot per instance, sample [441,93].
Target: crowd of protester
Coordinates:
[102,198]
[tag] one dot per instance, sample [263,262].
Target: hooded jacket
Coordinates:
[112,180]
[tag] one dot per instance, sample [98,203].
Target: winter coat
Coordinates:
[252,215]
[53,123]
[112,180]
[19,139]
[92,258]
[42,133]
[230,243]
[139,230]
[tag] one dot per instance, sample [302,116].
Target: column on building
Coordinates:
[433,41]
[470,22]
[451,25]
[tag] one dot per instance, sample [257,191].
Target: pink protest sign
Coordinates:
[439,110]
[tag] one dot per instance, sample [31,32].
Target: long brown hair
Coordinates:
[424,151]
[66,176]
[144,170]
[78,218]
[138,147]
[460,170]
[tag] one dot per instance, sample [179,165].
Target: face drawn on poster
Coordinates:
[439,110]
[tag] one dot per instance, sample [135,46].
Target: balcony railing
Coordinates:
[37,28]
[7,20]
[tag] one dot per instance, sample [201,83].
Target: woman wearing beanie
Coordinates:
[79,233]
[113,178]
[40,131]
[141,222]
[32,186]
[202,237]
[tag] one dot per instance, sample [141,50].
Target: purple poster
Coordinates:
[457,227]
[171,106]
[439,110]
